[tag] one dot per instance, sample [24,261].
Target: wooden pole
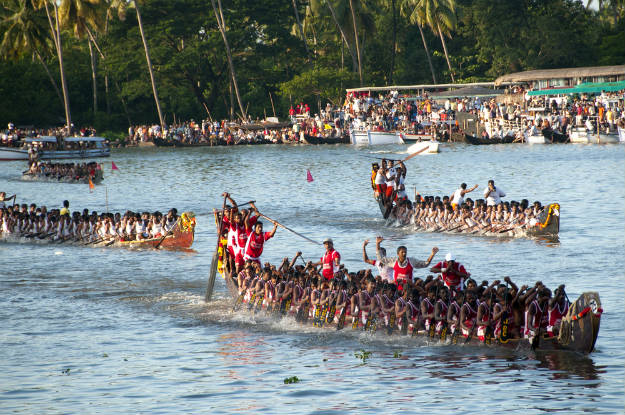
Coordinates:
[272,106]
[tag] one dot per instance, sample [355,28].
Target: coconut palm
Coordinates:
[24,33]
[409,9]
[219,15]
[300,27]
[80,16]
[52,13]
[440,17]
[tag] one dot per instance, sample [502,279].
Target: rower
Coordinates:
[65,209]
[330,261]
[558,309]
[536,314]
[374,173]
[468,314]
[427,308]
[256,241]
[457,198]
[453,272]
[385,272]
[402,265]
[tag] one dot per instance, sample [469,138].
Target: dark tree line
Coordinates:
[283,51]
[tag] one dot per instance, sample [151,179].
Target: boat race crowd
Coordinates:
[60,225]
[394,297]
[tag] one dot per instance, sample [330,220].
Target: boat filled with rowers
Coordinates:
[490,216]
[83,173]
[37,224]
[447,306]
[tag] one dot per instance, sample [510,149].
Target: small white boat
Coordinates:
[536,139]
[582,136]
[415,138]
[68,148]
[375,138]
[431,147]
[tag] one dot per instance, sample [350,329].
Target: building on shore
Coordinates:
[566,77]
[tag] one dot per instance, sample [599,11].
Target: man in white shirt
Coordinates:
[457,199]
[493,194]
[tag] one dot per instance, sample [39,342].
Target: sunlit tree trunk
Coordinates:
[351,6]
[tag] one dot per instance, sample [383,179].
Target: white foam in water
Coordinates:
[58,252]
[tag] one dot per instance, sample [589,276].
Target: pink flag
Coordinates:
[308,176]
[113,166]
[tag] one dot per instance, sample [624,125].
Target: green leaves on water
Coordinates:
[397,354]
[65,371]
[292,379]
[363,355]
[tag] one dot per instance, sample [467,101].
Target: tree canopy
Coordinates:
[483,38]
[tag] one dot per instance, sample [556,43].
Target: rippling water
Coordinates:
[93,330]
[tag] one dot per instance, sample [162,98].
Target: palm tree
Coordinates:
[24,33]
[409,9]
[55,29]
[351,8]
[79,16]
[440,17]
[221,24]
[301,29]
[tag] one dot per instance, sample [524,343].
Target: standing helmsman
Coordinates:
[330,261]
[457,199]
[402,265]
[493,194]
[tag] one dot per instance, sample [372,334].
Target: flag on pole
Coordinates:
[309,177]
[91,186]
[114,166]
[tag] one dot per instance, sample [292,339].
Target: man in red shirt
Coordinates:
[453,272]
[330,260]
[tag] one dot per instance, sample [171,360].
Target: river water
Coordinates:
[100,330]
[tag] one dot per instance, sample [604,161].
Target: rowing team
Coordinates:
[486,311]
[71,172]
[90,227]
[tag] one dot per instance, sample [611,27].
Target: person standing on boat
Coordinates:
[256,242]
[493,194]
[457,198]
[385,271]
[402,265]
[4,198]
[330,261]
[453,272]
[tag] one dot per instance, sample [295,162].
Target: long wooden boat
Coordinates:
[554,137]
[578,331]
[311,139]
[180,237]
[547,223]
[41,177]
[471,139]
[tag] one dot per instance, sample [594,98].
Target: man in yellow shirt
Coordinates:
[65,209]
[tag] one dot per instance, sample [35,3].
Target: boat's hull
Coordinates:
[487,141]
[414,138]
[621,135]
[581,136]
[536,139]
[10,154]
[374,138]
[311,139]
[424,147]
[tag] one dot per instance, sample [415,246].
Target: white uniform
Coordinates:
[457,198]
[494,198]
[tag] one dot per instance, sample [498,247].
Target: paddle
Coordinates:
[163,238]
[391,323]
[110,243]
[505,320]
[341,323]
[215,259]
[275,222]
[414,154]
[238,205]
[468,339]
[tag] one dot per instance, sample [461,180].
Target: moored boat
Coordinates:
[314,140]
[582,136]
[424,147]
[51,148]
[471,139]
[621,135]
[414,138]
[374,138]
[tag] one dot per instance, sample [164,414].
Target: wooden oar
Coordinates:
[238,206]
[341,322]
[414,154]
[164,236]
[214,262]
[275,222]
[471,332]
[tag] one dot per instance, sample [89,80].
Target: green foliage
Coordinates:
[487,39]
[292,379]
[363,355]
